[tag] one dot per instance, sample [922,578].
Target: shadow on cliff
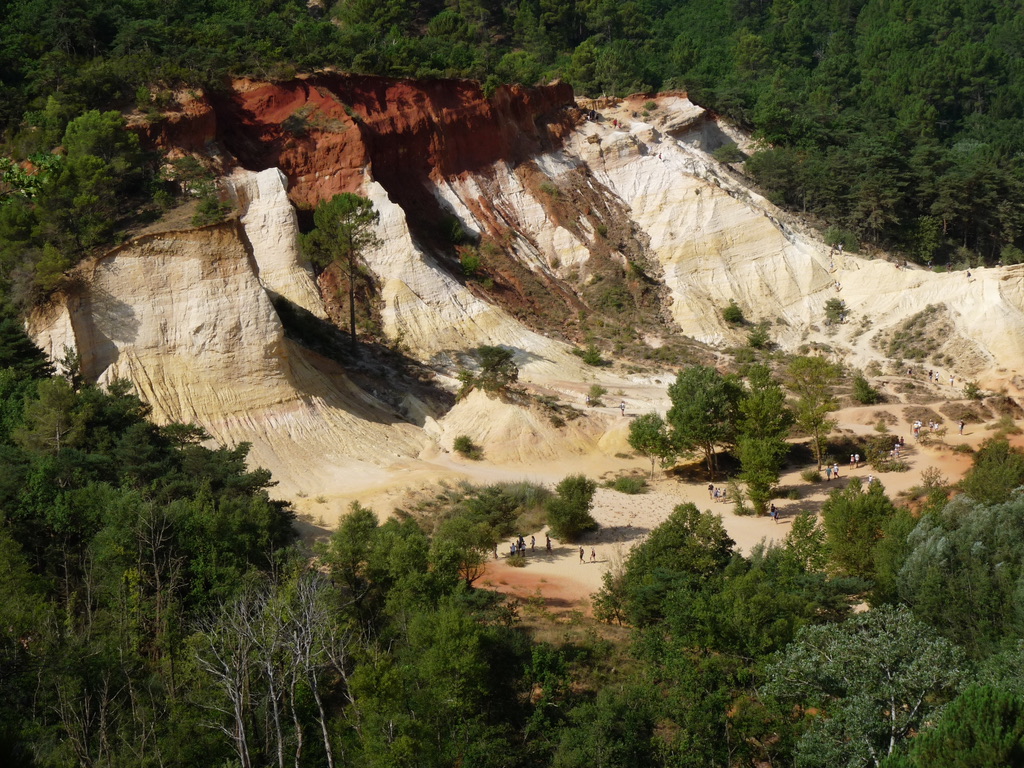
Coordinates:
[393,387]
[101,324]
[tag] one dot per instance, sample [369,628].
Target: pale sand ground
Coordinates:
[626,520]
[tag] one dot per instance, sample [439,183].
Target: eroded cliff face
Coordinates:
[186,318]
[567,213]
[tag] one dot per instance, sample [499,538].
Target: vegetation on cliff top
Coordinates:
[900,122]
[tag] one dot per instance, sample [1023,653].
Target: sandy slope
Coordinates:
[562,580]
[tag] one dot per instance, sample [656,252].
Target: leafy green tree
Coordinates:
[835,311]
[688,549]
[569,509]
[997,471]
[52,421]
[763,425]
[648,434]
[983,726]
[961,573]
[807,542]
[704,412]
[854,519]
[498,370]
[890,554]
[617,729]
[876,679]
[864,393]
[344,232]
[812,380]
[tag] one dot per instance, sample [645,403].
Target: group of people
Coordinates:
[593,555]
[715,493]
[934,376]
[832,471]
[518,546]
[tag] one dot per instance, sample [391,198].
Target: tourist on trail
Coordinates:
[622,407]
[835,470]
[549,542]
[856,460]
[828,473]
[581,554]
[711,490]
[961,426]
[593,555]
[533,542]
[852,463]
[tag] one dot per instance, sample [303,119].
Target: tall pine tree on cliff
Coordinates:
[344,230]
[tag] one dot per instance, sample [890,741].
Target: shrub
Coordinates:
[1010,255]
[729,153]
[835,237]
[516,561]
[498,370]
[835,311]
[469,260]
[464,446]
[650,105]
[569,510]
[732,314]
[596,392]
[758,337]
[549,188]
[811,475]
[972,391]
[591,355]
[630,485]
[864,393]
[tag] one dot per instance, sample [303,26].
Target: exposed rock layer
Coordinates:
[188,316]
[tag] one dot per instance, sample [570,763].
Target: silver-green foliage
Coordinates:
[875,679]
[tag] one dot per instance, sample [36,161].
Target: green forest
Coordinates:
[159,610]
[897,123]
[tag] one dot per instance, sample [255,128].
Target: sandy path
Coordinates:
[561,579]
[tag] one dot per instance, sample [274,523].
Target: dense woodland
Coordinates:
[156,608]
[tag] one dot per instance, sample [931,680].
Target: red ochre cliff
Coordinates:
[325,131]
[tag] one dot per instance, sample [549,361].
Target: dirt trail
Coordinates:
[565,583]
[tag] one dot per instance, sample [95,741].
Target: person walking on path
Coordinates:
[961,426]
[533,542]
[593,555]
[828,473]
[856,461]
[622,407]
[835,470]
[581,554]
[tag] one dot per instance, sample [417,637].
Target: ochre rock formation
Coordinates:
[189,316]
[326,131]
